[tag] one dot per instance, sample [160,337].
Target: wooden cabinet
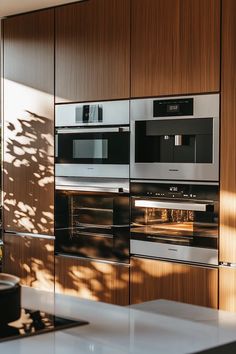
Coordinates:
[94,280]
[31,259]
[227,242]
[227,289]
[175,47]
[28,113]
[153,279]
[93,50]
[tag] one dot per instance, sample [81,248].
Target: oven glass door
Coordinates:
[93,225]
[179,222]
[93,147]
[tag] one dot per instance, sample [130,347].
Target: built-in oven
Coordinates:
[175,138]
[93,140]
[175,221]
[93,218]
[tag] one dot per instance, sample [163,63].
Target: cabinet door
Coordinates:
[175,47]
[93,50]
[31,259]
[94,280]
[152,279]
[28,110]
[227,289]
[227,242]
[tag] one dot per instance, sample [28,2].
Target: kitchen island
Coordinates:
[154,327]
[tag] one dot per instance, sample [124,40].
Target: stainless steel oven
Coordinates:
[93,140]
[93,218]
[175,138]
[175,221]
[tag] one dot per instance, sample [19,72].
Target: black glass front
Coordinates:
[175,218]
[93,225]
[33,323]
[96,148]
[155,141]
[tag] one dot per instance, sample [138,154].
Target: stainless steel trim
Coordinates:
[92,170]
[199,265]
[142,203]
[92,259]
[92,189]
[82,130]
[205,106]
[29,234]
[56,145]
[92,184]
[173,182]
[113,113]
[174,252]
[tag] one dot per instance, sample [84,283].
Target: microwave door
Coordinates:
[93,152]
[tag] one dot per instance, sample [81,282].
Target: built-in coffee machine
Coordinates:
[175,138]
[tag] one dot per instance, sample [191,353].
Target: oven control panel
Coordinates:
[178,191]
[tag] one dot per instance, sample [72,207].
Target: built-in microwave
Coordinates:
[93,140]
[175,138]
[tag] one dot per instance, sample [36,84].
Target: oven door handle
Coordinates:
[91,130]
[143,203]
[92,189]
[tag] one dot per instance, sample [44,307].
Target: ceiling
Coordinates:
[11,7]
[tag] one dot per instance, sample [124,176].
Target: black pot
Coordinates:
[10,298]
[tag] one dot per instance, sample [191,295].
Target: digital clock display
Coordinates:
[173,108]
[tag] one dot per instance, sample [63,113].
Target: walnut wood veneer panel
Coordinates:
[93,50]
[28,110]
[227,289]
[228,134]
[92,280]
[175,47]
[31,259]
[153,279]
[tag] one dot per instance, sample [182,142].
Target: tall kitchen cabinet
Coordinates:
[28,130]
[227,290]
[175,47]
[93,51]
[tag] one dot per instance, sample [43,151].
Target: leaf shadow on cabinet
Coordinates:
[28,159]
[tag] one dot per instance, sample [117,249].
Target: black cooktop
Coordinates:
[34,322]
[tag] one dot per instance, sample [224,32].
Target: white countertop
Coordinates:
[154,327]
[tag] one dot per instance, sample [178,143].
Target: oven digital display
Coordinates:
[173,108]
[173,189]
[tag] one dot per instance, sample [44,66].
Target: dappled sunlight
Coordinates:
[228,203]
[31,259]
[93,280]
[28,157]
[42,278]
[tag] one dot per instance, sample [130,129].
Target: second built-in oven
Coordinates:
[175,221]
